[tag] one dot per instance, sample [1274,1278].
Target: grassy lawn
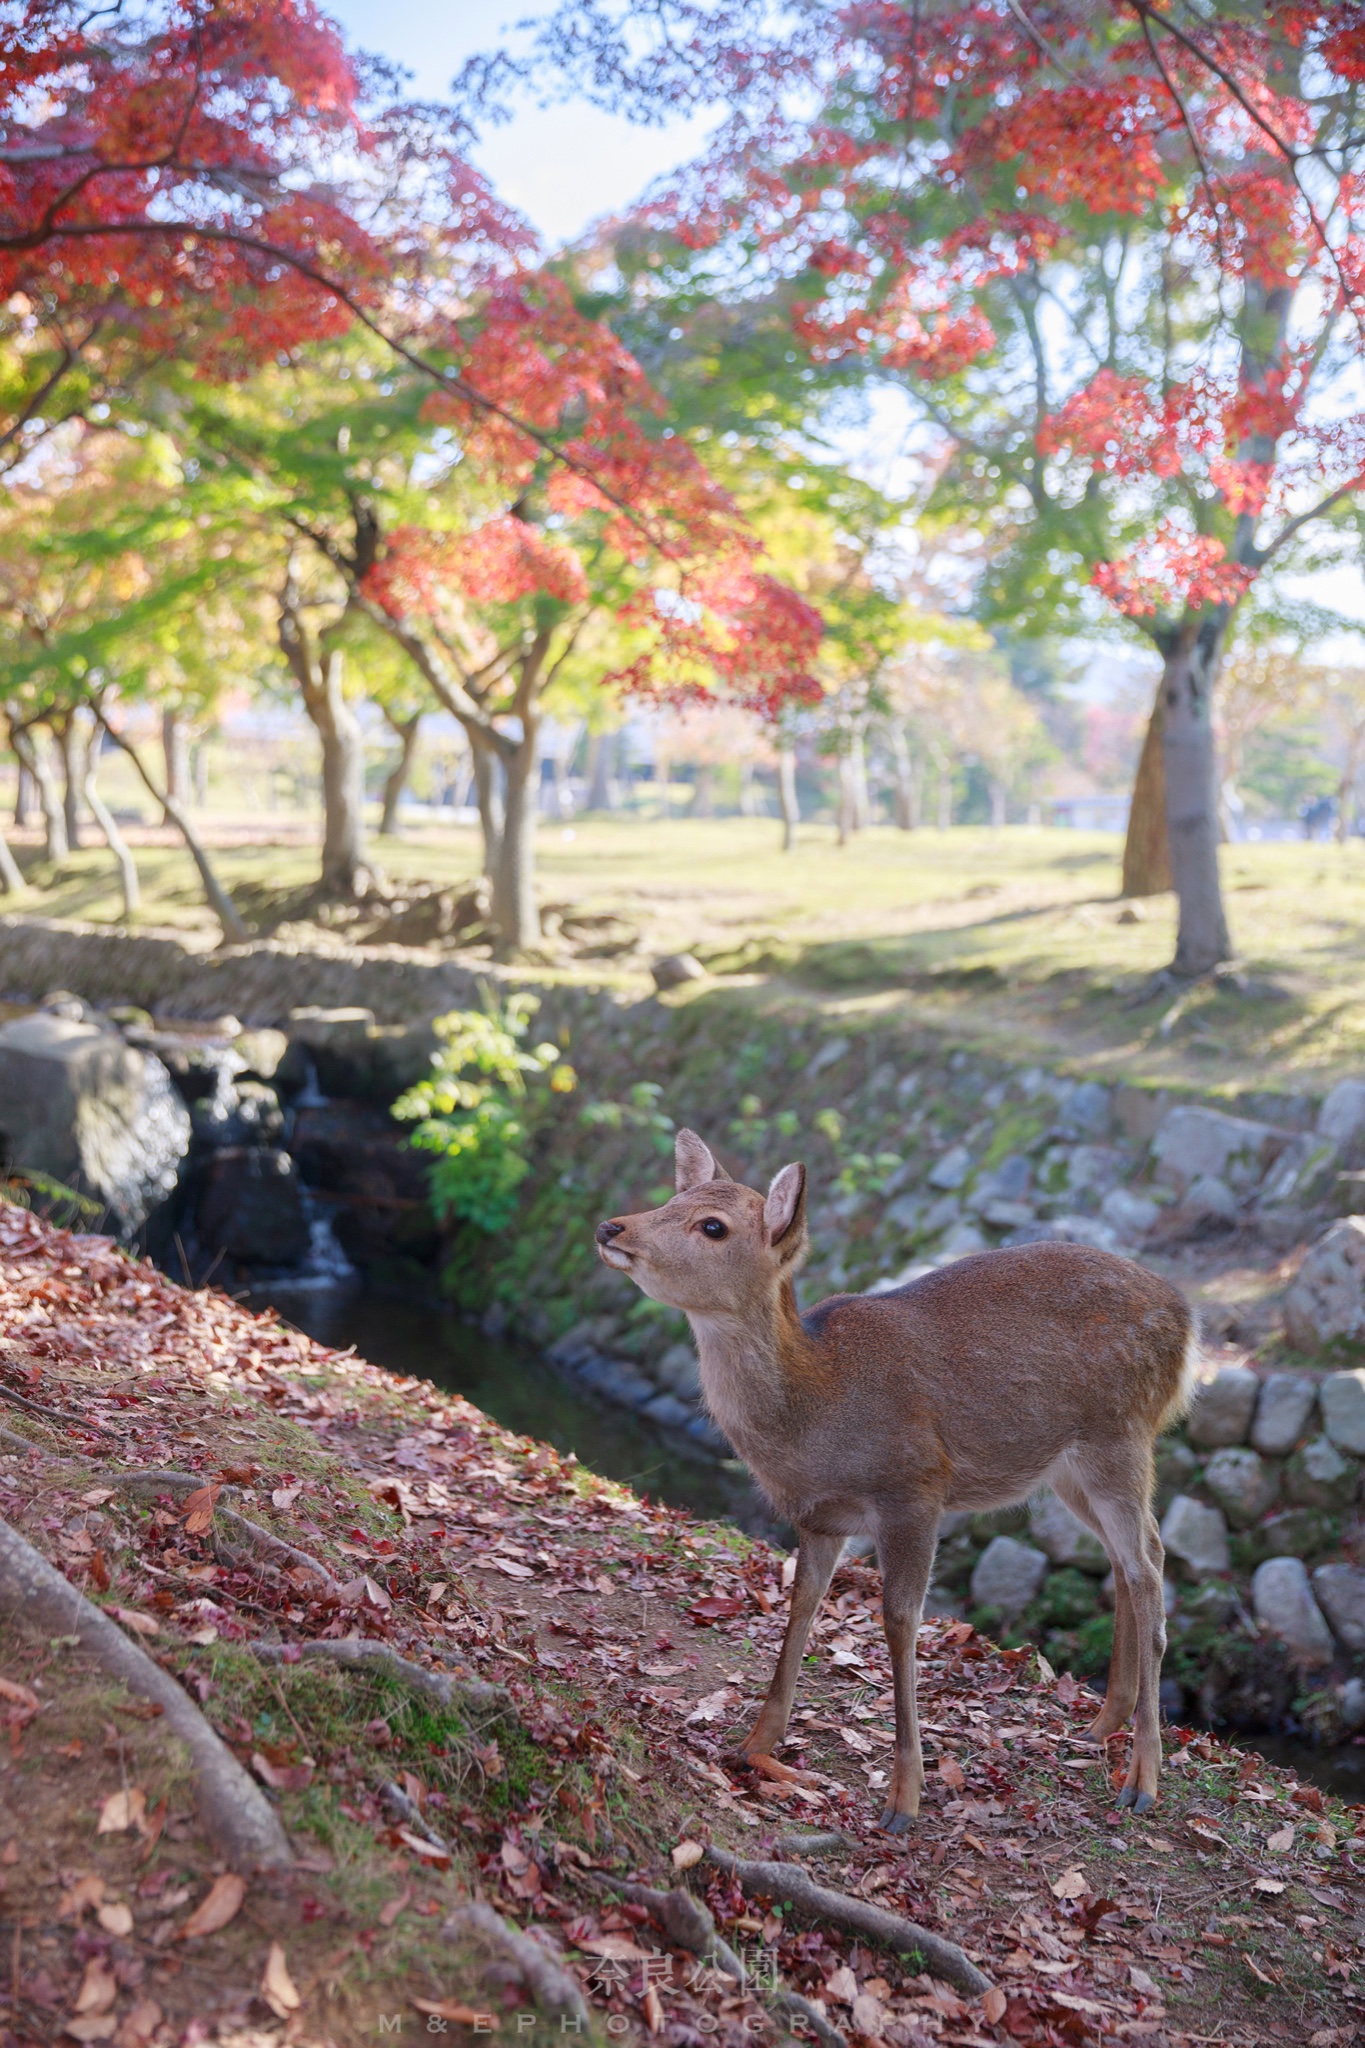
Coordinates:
[1014,939]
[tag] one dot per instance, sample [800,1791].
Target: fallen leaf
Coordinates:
[951,1772]
[1256,1971]
[87,1891]
[283,1777]
[452,2009]
[1273,1885]
[122,1810]
[856,1740]
[99,1987]
[139,2025]
[491,1562]
[1145,1985]
[618,1947]
[842,1984]
[220,1903]
[687,1854]
[22,1696]
[713,1608]
[869,2016]
[712,1706]
[141,1624]
[198,1510]
[97,1496]
[376,1595]
[420,1846]
[284,1496]
[993,2005]
[389,1913]
[277,1986]
[116,1919]
[1072,1884]
[203,1636]
[1281,1842]
[93,2026]
[653,2010]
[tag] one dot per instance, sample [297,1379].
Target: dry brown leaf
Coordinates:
[1273,1885]
[869,2016]
[92,2026]
[87,1891]
[283,1777]
[99,1987]
[139,2025]
[1146,1986]
[1072,1884]
[141,1624]
[1281,1842]
[686,1855]
[22,1696]
[951,1772]
[1257,1972]
[389,1913]
[653,2010]
[993,2004]
[198,1511]
[277,1986]
[116,1919]
[220,1903]
[618,1947]
[453,2009]
[842,1984]
[122,1810]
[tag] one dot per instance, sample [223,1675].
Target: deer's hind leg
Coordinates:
[1121,1690]
[906,1540]
[816,1558]
[1117,1484]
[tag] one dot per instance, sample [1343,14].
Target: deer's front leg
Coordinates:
[816,1558]
[905,1546]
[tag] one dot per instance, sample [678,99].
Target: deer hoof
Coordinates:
[893,1823]
[1138,1800]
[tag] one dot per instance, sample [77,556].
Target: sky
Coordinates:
[561,165]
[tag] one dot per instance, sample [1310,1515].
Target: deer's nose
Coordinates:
[607,1231]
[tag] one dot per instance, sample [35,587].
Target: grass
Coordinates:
[1013,939]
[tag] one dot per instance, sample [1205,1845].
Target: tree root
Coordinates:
[943,1959]
[819,1842]
[548,1982]
[362,1653]
[249,1532]
[238,1817]
[411,1815]
[688,1924]
[51,1414]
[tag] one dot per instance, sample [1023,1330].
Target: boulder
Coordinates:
[1196,1534]
[1319,1477]
[1088,1109]
[1209,1200]
[906,1213]
[1177,1469]
[1242,1483]
[1096,1169]
[1284,1412]
[1340,1590]
[1008,1575]
[1297,1532]
[1191,1143]
[1224,1404]
[1131,1215]
[1326,1304]
[1282,1601]
[679,1373]
[250,1206]
[1342,1399]
[675,969]
[950,1170]
[260,1052]
[961,1241]
[668,1410]
[377,1187]
[350,1055]
[1065,1537]
[1084,1230]
[1341,1120]
[80,1105]
[1010,1181]
[1303,1174]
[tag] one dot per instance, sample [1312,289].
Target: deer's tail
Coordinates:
[1183,1397]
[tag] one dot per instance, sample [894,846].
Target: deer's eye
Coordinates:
[713,1227]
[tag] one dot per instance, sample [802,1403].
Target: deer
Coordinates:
[969,1387]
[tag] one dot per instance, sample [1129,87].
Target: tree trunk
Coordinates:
[73,777]
[118,845]
[397,779]
[1190,761]
[997,792]
[848,810]
[515,911]
[944,766]
[704,792]
[1147,846]
[23,798]
[488,794]
[216,896]
[34,758]
[788,801]
[860,801]
[601,760]
[907,782]
[176,758]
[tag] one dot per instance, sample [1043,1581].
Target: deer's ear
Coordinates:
[693,1164]
[785,1209]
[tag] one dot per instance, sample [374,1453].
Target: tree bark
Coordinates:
[73,777]
[11,874]
[33,758]
[703,803]
[944,767]
[489,784]
[216,896]
[997,793]
[515,911]
[345,867]
[907,782]
[176,758]
[848,813]
[118,845]
[397,779]
[23,797]
[1189,758]
[1147,846]
[857,775]
[787,798]
[601,761]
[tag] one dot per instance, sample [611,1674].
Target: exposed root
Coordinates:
[548,1982]
[688,1924]
[238,1817]
[361,1653]
[411,1815]
[247,1531]
[49,1414]
[942,1958]
[819,1842]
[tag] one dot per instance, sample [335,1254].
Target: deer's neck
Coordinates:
[757,1367]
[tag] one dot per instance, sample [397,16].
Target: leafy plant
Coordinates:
[473,1108]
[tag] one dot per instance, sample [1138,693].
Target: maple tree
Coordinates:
[1114,255]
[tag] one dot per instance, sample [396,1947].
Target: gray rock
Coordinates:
[1242,1483]
[1209,1200]
[907,1213]
[1096,1169]
[951,1169]
[1297,1532]
[1282,1601]
[829,1055]
[260,1052]
[1008,1575]
[1194,1142]
[616,1380]
[1088,1109]
[676,968]
[1064,1536]
[679,1373]
[1224,1404]
[1352,1697]
[1003,1215]
[1340,1591]
[1085,1230]
[939,1215]
[1177,1469]
[1341,1119]
[1196,1534]
[250,1206]
[961,1241]
[1303,1174]
[1131,1215]
[80,1105]
[706,1433]
[1319,1477]
[1326,1304]
[1342,1399]
[1009,1182]
[1284,1412]
[668,1410]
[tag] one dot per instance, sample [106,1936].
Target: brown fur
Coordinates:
[969,1388]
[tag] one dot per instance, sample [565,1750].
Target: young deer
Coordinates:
[1043,1364]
